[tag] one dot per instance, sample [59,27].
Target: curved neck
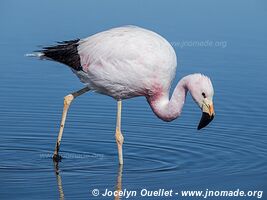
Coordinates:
[166,109]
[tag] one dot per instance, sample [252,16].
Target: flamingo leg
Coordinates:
[67,101]
[119,182]
[118,135]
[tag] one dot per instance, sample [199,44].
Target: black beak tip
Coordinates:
[205,120]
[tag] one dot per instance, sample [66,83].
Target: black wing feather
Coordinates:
[65,52]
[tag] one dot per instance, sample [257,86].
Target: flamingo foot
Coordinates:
[57,158]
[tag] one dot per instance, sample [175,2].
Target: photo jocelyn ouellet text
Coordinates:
[172,192]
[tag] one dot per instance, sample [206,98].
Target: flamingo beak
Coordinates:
[207,115]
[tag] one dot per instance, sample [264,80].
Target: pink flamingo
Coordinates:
[127,62]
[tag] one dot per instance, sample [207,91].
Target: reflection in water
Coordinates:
[60,186]
[59,181]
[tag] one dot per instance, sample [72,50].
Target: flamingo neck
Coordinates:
[169,109]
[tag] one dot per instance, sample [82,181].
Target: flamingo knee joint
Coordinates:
[119,138]
[68,99]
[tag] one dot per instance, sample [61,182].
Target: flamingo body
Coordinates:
[126,62]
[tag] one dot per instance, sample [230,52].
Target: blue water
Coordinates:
[226,41]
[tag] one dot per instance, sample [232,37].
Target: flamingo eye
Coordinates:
[203,94]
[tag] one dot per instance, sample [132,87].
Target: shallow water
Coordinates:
[230,154]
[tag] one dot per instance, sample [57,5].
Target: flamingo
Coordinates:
[127,62]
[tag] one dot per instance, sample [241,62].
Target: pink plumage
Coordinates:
[130,61]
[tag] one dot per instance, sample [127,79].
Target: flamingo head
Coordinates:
[201,89]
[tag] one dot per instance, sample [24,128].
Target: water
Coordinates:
[230,154]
